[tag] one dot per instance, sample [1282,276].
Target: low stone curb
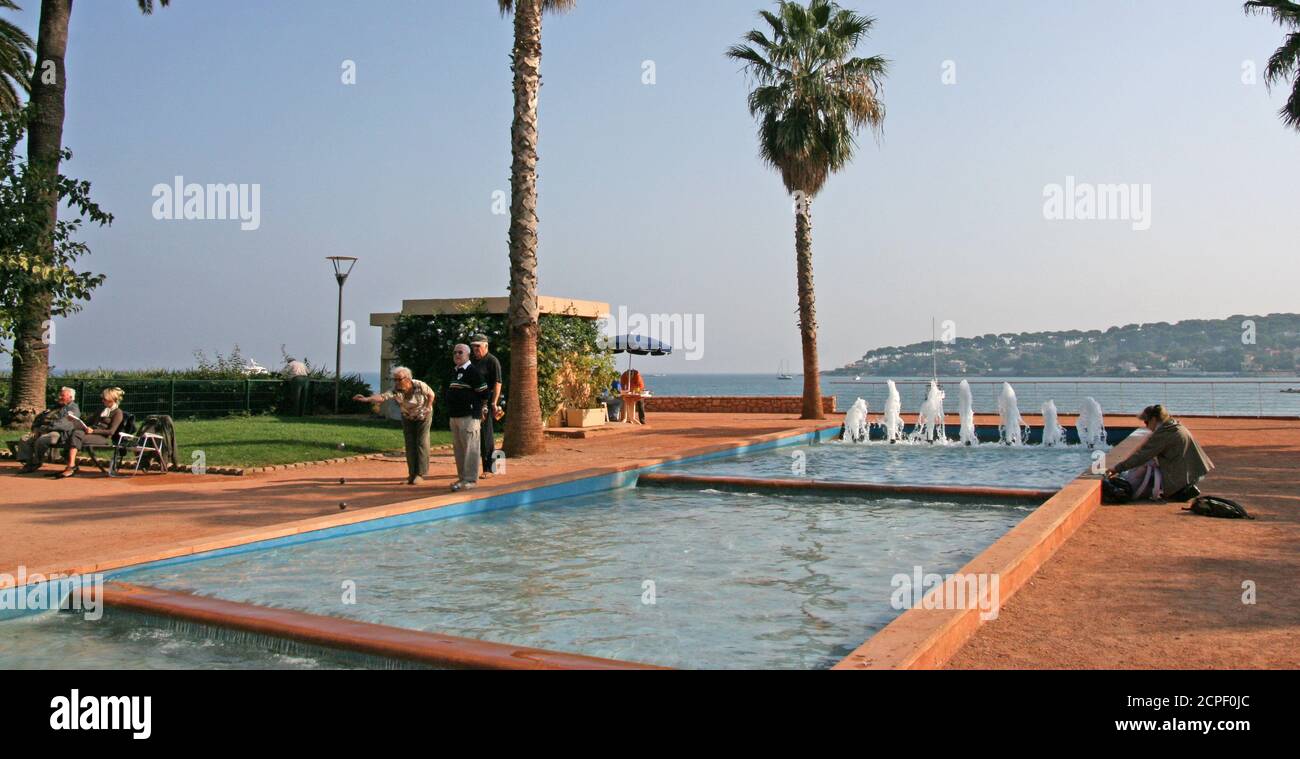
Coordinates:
[234,471]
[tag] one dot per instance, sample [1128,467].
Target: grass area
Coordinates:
[268,440]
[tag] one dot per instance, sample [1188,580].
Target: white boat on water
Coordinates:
[783,372]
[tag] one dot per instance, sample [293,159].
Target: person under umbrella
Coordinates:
[633,384]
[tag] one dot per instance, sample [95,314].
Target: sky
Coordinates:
[652,195]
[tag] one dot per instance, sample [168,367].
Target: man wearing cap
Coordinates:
[490,368]
[466,394]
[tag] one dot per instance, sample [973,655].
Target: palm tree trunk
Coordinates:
[31,359]
[812,386]
[523,434]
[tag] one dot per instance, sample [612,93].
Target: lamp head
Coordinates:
[342,266]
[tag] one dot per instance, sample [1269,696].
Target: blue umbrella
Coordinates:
[640,345]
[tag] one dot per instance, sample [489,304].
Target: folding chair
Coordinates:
[146,443]
[142,444]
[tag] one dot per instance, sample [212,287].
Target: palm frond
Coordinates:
[146,6]
[548,6]
[16,62]
[810,95]
[1284,63]
[1283,12]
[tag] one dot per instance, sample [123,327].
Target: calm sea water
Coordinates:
[1182,395]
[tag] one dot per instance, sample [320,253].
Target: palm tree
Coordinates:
[810,98]
[1285,61]
[523,435]
[31,350]
[15,61]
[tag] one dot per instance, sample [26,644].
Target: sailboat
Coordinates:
[783,372]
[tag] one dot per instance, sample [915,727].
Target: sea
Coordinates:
[1227,396]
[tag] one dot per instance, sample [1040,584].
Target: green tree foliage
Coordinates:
[424,344]
[32,254]
[1210,345]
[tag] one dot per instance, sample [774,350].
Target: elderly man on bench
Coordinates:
[48,430]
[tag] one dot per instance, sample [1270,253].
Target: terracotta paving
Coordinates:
[1149,586]
[75,524]
[1137,586]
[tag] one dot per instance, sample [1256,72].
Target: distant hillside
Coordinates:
[1191,347]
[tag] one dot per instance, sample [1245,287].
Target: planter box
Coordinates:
[585,417]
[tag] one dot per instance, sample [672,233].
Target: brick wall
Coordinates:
[734,404]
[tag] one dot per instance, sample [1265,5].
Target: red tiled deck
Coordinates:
[1137,586]
[90,522]
[1150,586]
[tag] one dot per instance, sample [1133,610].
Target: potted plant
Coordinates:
[580,381]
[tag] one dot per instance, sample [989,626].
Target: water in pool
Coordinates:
[127,641]
[990,464]
[682,578]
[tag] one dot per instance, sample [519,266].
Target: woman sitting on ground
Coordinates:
[101,432]
[1169,461]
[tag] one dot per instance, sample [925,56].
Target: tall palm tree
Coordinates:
[31,351]
[810,98]
[15,61]
[1285,61]
[523,435]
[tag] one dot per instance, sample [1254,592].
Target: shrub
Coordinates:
[424,344]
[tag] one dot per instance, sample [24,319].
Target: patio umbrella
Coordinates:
[639,345]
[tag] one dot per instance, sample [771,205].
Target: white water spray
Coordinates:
[967,414]
[1091,425]
[1012,429]
[1053,432]
[929,422]
[892,420]
[855,423]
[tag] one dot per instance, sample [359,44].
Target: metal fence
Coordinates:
[1220,397]
[185,398]
[178,398]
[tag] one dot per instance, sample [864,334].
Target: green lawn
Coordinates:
[268,440]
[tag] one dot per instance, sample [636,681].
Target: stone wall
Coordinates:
[734,404]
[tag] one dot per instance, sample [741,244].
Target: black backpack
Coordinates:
[1214,506]
[128,424]
[1116,489]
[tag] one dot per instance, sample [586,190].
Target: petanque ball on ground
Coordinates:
[343,505]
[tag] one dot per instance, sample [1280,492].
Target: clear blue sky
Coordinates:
[943,217]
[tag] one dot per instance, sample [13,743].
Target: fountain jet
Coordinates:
[1053,432]
[1091,425]
[967,414]
[1012,429]
[929,422]
[892,420]
[856,429]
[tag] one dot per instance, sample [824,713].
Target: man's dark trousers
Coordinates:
[487,443]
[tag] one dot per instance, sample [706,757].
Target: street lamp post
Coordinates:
[342,268]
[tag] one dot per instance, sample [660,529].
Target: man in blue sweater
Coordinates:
[465,396]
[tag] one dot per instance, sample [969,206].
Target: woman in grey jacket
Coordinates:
[1170,455]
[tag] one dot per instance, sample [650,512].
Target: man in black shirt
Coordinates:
[490,367]
[465,396]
